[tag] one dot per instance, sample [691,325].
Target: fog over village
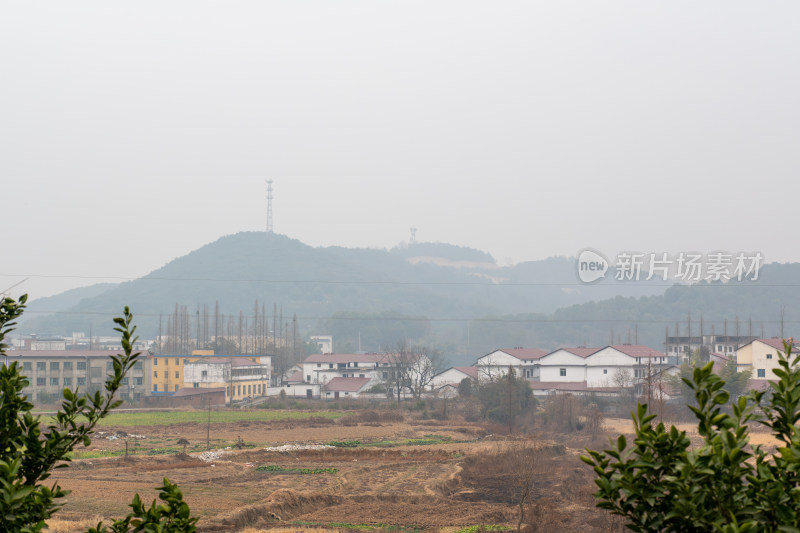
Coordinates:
[399,266]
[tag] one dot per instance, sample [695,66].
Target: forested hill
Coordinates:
[744,307]
[318,283]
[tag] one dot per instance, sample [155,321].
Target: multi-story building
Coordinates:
[50,371]
[166,373]
[241,377]
[682,347]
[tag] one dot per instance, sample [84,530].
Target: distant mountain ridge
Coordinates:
[317,283]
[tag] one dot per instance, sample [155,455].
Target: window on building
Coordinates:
[155,387]
[176,374]
[67,365]
[605,371]
[762,373]
[355,364]
[81,365]
[308,378]
[40,382]
[769,356]
[166,361]
[176,387]
[124,381]
[177,362]
[330,365]
[361,375]
[197,386]
[137,365]
[155,361]
[319,365]
[138,381]
[81,381]
[41,365]
[54,365]
[109,366]
[54,382]
[562,371]
[27,366]
[68,382]
[204,373]
[155,373]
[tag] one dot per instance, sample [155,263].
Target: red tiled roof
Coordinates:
[525,354]
[347,384]
[720,356]
[580,352]
[62,353]
[776,342]
[637,350]
[190,391]
[295,377]
[471,371]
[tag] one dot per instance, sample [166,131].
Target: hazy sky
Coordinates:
[133,133]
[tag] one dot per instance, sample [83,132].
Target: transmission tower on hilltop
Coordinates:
[269,206]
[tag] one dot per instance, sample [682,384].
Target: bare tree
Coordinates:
[399,362]
[524,462]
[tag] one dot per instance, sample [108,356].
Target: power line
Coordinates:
[431,319]
[631,284]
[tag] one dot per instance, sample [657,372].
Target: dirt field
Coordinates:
[459,478]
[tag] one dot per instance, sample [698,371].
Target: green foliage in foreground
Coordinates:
[726,485]
[29,452]
[172,516]
[278,468]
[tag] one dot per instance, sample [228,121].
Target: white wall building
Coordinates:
[522,360]
[454,375]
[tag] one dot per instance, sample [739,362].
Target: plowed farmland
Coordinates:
[374,475]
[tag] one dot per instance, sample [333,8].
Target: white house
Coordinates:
[522,360]
[564,365]
[345,388]
[622,364]
[322,369]
[454,375]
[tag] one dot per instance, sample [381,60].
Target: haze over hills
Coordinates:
[430,280]
[457,299]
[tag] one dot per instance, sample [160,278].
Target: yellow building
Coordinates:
[166,374]
[761,356]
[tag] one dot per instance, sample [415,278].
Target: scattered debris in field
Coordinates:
[116,435]
[210,456]
[297,447]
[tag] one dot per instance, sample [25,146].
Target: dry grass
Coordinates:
[57,525]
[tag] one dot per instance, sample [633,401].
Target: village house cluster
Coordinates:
[204,378]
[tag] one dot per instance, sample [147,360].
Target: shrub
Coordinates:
[29,452]
[663,483]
